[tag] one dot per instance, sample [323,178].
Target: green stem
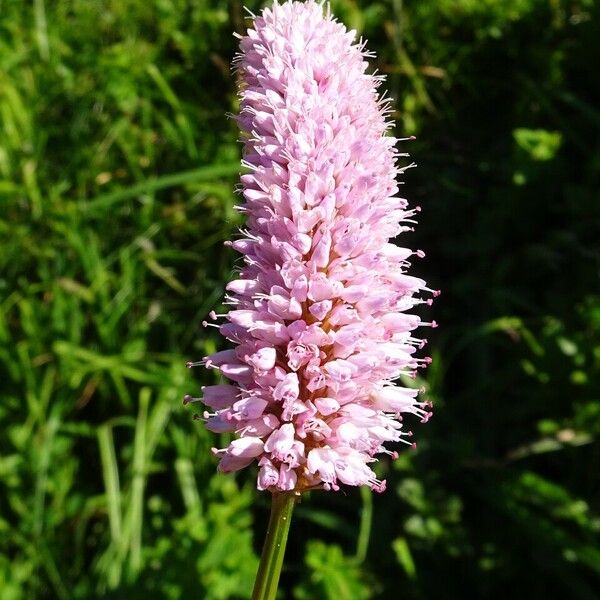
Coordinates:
[366,520]
[271,561]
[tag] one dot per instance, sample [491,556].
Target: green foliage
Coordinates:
[117,169]
[330,574]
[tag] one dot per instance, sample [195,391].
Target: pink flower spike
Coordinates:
[321,315]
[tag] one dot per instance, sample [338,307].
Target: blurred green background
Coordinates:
[117,165]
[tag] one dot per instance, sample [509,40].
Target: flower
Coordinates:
[320,312]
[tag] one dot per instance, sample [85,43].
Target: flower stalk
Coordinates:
[271,560]
[320,315]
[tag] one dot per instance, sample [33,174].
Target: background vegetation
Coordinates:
[117,166]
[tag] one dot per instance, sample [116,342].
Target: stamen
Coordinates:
[391,453]
[426,360]
[187,399]
[433,324]
[435,293]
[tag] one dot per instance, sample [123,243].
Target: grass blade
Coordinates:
[136,504]
[110,474]
[104,201]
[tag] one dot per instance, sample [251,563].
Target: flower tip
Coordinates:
[187,399]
